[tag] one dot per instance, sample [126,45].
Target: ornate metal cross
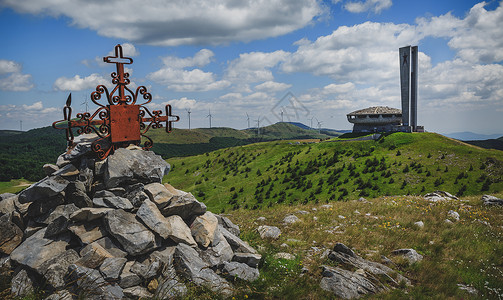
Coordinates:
[121,122]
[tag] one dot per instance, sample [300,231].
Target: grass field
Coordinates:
[264,174]
[14,186]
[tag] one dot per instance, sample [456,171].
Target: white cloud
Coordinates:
[254,66]
[16,82]
[77,83]
[187,80]
[271,86]
[368,5]
[9,66]
[171,23]
[12,79]
[200,59]
[174,76]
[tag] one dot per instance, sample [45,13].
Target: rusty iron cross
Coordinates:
[121,122]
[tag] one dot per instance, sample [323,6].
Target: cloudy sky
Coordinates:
[314,60]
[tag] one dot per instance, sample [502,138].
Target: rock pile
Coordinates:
[110,230]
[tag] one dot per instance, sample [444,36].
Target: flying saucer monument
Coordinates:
[386,119]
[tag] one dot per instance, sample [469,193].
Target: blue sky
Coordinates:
[257,58]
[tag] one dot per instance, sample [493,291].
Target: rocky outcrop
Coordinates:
[491,200]
[109,229]
[355,276]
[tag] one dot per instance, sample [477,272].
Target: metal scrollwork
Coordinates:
[120,122]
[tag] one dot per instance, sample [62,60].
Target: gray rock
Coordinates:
[111,268]
[158,194]
[135,193]
[170,288]
[219,253]
[227,224]
[113,202]
[135,238]
[131,166]
[6,196]
[346,284]
[10,234]
[185,206]
[247,258]
[128,278]
[419,224]
[137,292]
[67,171]
[36,249]
[146,272]
[189,265]
[232,270]
[376,269]
[61,210]
[236,243]
[118,191]
[269,232]
[88,232]
[111,248]
[89,214]
[82,146]
[45,188]
[491,200]
[203,229]
[261,219]
[57,226]
[75,192]
[55,269]
[7,206]
[60,295]
[164,256]
[410,254]
[91,285]
[290,219]
[439,196]
[284,255]
[22,284]
[453,214]
[92,256]
[171,227]
[44,206]
[340,247]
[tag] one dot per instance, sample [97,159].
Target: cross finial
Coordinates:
[120,78]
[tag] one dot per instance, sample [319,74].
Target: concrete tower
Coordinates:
[408,85]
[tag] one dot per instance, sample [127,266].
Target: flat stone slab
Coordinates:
[36,249]
[135,238]
[134,166]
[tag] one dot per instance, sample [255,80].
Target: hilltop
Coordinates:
[264,174]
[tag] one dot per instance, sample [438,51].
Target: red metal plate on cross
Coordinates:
[124,123]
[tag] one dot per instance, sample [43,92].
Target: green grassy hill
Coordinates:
[22,154]
[263,174]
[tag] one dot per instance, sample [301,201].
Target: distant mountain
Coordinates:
[471,136]
[488,144]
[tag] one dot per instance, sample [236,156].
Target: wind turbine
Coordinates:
[281,115]
[188,112]
[209,116]
[85,102]
[311,127]
[248,119]
[258,125]
[319,125]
